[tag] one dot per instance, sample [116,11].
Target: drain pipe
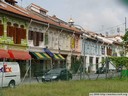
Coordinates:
[58,39]
[47,27]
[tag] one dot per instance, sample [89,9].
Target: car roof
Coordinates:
[59,69]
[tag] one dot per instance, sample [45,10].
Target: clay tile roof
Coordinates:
[13,9]
[24,12]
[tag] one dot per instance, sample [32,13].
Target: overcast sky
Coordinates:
[100,16]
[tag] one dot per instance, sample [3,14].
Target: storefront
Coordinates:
[58,61]
[41,63]
[22,57]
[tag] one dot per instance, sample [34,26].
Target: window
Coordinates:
[72,42]
[1,28]
[109,51]
[30,35]
[41,36]
[16,33]
[103,50]
[36,37]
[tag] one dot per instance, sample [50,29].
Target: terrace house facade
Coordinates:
[96,47]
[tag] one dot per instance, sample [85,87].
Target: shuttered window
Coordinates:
[10,31]
[16,33]
[40,36]
[1,30]
[23,33]
[109,51]
[30,35]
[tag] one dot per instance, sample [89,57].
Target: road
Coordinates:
[91,76]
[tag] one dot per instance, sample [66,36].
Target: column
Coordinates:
[94,64]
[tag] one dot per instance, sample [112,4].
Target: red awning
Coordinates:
[4,54]
[19,55]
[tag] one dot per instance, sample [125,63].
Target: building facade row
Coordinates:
[50,41]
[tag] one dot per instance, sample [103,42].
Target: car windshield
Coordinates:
[54,71]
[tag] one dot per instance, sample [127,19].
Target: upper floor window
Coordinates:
[16,32]
[109,51]
[1,28]
[36,37]
[103,50]
[72,43]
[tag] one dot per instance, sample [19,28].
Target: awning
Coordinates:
[48,52]
[4,54]
[40,55]
[19,55]
[58,57]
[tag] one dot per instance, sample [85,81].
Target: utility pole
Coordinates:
[125,24]
[125,33]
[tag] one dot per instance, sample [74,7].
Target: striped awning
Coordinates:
[40,55]
[58,57]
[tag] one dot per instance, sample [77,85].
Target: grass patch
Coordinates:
[67,88]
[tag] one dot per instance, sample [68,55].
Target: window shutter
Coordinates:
[23,33]
[41,36]
[14,34]
[37,38]
[30,35]
[1,29]
[18,35]
[10,31]
[34,38]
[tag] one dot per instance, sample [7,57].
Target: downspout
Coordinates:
[58,40]
[47,28]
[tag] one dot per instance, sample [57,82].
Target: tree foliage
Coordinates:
[125,37]
[120,61]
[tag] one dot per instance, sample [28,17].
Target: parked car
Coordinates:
[57,74]
[101,70]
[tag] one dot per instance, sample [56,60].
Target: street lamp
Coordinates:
[71,23]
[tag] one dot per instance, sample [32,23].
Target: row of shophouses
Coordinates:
[29,34]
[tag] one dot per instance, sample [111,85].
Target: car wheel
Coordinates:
[11,84]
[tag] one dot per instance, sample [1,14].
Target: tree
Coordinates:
[125,42]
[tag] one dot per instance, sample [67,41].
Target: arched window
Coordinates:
[16,31]
[15,25]
[10,29]
[23,32]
